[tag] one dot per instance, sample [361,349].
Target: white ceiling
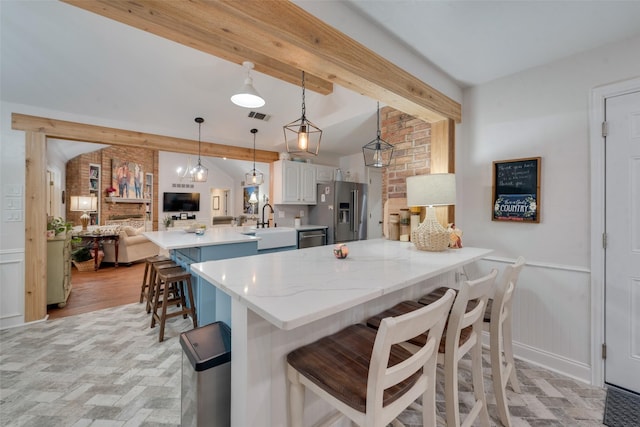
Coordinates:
[58,57]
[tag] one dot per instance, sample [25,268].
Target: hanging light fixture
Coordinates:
[378,152]
[248,96]
[306,135]
[254,176]
[199,173]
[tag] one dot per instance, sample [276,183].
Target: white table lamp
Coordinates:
[84,204]
[437,189]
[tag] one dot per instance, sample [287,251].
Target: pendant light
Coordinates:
[378,152]
[199,173]
[306,135]
[254,177]
[248,96]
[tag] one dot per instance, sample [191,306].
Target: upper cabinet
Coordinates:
[324,173]
[294,183]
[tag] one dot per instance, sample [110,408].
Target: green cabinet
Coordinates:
[59,270]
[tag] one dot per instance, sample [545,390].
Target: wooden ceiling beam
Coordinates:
[281,32]
[61,129]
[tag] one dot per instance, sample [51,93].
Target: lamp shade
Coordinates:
[83,204]
[248,96]
[436,189]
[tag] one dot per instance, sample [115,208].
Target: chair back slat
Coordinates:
[428,320]
[504,291]
[470,290]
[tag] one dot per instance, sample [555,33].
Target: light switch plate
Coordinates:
[12,203]
[301,214]
[9,215]
[280,214]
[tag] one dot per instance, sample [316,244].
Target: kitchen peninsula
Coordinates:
[281,301]
[219,243]
[216,243]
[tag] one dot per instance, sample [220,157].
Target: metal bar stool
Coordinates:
[172,280]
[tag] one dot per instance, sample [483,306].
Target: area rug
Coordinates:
[622,408]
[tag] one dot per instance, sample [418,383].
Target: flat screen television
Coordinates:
[180,202]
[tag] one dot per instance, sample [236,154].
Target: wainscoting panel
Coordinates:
[11,288]
[551,316]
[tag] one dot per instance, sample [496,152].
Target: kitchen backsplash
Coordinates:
[290,213]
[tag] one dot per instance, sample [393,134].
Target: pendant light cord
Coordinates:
[378,121]
[254,131]
[304,109]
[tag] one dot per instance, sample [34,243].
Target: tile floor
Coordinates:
[107,369]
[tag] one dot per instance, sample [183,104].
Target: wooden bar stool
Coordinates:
[153,275]
[463,334]
[146,278]
[497,321]
[172,281]
[364,375]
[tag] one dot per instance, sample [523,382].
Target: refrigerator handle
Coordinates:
[354,211]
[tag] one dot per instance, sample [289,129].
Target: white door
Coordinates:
[622,255]
[374,193]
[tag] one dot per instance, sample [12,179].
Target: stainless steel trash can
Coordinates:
[206,376]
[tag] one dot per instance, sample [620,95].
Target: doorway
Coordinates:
[220,202]
[615,239]
[622,249]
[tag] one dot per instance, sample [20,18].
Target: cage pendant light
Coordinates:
[378,152]
[301,136]
[199,173]
[254,176]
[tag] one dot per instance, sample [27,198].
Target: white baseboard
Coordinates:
[571,368]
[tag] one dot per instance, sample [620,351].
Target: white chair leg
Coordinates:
[497,376]
[508,355]
[478,383]
[429,407]
[296,398]
[452,406]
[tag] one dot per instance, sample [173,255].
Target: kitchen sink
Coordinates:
[276,237]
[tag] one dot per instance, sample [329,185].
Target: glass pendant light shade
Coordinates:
[377,153]
[248,96]
[301,136]
[253,199]
[254,176]
[199,173]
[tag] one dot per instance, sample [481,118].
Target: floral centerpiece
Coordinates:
[56,226]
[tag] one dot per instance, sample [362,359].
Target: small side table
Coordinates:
[96,244]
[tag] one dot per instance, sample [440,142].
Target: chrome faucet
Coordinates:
[263,222]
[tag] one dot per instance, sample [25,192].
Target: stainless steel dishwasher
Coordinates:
[310,238]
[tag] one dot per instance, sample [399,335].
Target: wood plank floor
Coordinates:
[94,290]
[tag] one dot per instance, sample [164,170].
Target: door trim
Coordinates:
[597,153]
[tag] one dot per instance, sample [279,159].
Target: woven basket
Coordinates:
[430,236]
[89,264]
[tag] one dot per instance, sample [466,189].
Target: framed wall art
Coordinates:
[516,190]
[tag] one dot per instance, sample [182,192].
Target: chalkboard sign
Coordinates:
[516,190]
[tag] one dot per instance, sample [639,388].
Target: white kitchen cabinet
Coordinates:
[324,173]
[294,183]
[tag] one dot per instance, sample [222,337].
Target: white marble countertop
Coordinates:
[294,288]
[179,239]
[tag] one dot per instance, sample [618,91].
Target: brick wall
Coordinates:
[411,138]
[77,171]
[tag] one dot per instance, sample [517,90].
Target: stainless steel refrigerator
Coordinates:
[342,206]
